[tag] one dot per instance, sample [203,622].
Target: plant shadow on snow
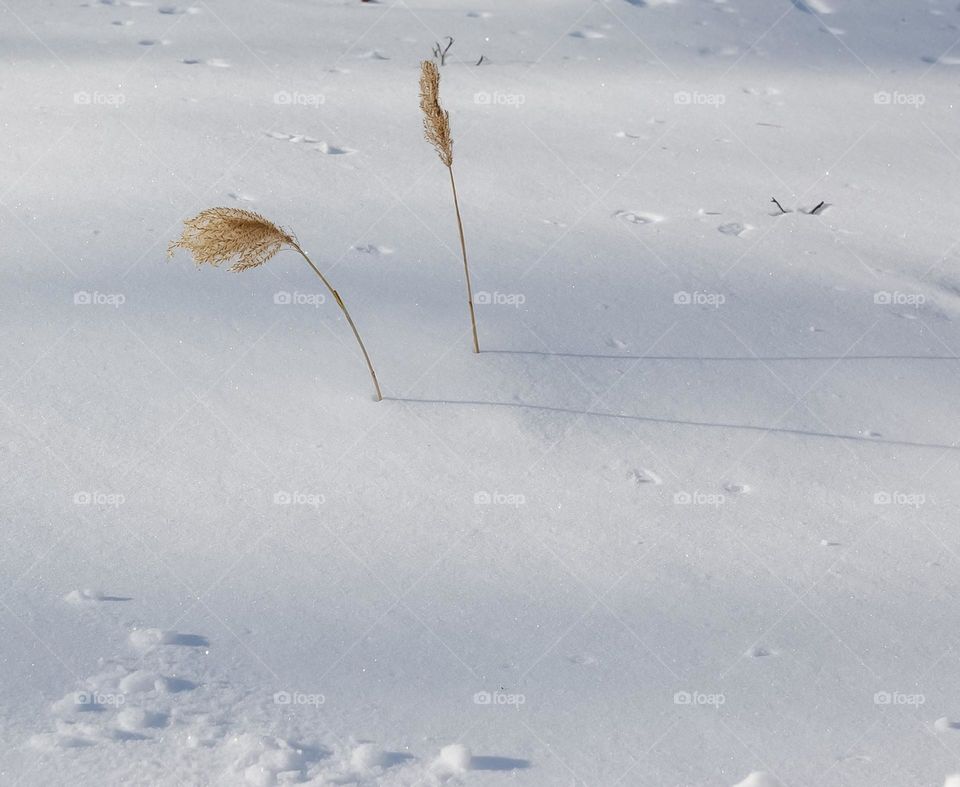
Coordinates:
[680,422]
[487,763]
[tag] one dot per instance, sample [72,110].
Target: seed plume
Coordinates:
[436,120]
[219,235]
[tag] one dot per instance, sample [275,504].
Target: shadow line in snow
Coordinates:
[680,422]
[497,764]
[737,358]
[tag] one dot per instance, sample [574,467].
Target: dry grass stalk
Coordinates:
[248,240]
[436,128]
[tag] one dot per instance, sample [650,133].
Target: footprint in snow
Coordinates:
[582,659]
[239,196]
[946,725]
[321,146]
[372,54]
[147,639]
[759,779]
[587,34]
[735,228]
[479,14]
[372,249]
[212,62]
[638,217]
[177,10]
[84,598]
[813,7]
[760,652]
[737,489]
[643,477]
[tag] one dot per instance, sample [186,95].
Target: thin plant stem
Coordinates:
[466,268]
[343,308]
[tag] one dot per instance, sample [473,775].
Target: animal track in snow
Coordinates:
[946,725]
[239,196]
[176,10]
[760,652]
[737,489]
[759,779]
[735,228]
[643,477]
[372,249]
[943,60]
[88,597]
[147,639]
[638,217]
[321,146]
[587,34]
[813,7]
[212,62]
[372,54]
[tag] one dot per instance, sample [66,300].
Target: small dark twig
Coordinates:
[440,53]
[814,211]
[480,61]
[774,201]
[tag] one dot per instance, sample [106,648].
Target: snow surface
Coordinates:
[689,519]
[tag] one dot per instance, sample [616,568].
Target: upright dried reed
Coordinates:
[219,235]
[436,128]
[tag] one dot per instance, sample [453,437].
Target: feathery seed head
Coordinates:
[436,120]
[219,235]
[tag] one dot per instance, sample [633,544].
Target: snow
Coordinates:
[689,519]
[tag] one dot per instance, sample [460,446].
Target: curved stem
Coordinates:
[343,308]
[466,269]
